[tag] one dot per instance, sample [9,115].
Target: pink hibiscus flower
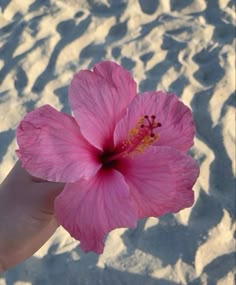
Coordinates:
[122,156]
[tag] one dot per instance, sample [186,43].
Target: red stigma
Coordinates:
[152,124]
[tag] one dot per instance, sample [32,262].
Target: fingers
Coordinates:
[43,195]
[17,175]
[21,187]
[51,189]
[21,174]
[19,179]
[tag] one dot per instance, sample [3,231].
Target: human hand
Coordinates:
[26,215]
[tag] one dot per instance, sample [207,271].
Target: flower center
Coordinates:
[138,140]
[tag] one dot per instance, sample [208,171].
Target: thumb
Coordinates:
[47,193]
[51,189]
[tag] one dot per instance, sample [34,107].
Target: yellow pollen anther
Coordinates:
[141,136]
[133,132]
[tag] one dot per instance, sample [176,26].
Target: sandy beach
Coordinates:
[185,47]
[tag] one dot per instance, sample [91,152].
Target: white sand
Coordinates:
[186,47]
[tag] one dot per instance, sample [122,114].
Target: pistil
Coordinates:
[138,140]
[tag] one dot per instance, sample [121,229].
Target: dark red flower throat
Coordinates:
[138,140]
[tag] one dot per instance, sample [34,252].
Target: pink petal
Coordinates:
[160,180]
[91,208]
[177,125]
[51,147]
[98,99]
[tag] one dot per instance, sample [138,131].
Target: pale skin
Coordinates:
[27,218]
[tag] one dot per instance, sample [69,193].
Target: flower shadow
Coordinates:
[171,241]
[61,269]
